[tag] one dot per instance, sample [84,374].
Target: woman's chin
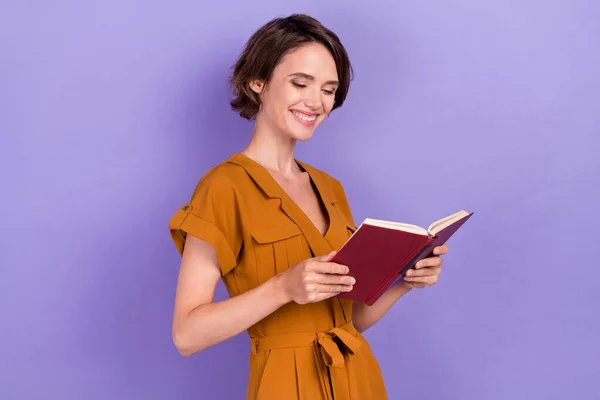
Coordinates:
[302,134]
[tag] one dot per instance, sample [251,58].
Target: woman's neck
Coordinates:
[273,150]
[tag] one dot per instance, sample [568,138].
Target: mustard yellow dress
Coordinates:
[304,352]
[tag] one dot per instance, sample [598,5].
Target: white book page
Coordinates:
[396,225]
[447,221]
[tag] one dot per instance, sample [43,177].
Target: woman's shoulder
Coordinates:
[222,178]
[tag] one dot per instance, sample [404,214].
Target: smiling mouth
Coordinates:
[307,120]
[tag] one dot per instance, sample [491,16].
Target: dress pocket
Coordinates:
[351,228]
[277,248]
[343,215]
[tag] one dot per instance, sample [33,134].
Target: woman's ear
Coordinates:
[257,86]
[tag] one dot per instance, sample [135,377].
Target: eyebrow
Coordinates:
[312,78]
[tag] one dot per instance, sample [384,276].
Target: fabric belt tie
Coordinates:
[327,350]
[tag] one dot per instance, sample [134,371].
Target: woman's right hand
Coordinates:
[315,279]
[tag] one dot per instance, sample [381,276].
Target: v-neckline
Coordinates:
[321,196]
[320,199]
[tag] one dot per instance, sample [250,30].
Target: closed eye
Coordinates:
[328,92]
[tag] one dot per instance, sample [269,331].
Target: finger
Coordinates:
[329,268]
[417,285]
[429,280]
[428,271]
[326,257]
[334,288]
[429,262]
[440,250]
[333,279]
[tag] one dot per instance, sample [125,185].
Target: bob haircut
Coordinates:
[269,44]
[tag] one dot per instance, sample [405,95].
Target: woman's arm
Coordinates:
[425,274]
[364,316]
[199,323]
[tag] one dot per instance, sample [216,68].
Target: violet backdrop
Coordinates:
[110,113]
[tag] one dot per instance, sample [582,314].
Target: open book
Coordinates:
[379,252]
[432,230]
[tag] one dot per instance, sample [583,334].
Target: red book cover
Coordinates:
[379,253]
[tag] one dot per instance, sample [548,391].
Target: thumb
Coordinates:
[327,257]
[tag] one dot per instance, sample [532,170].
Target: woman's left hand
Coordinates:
[427,271]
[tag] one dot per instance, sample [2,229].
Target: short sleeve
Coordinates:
[212,215]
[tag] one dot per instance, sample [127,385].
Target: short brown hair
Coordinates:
[267,46]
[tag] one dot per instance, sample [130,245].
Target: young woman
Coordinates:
[268,225]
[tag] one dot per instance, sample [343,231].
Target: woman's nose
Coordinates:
[313,100]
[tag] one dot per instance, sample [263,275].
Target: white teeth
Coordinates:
[304,117]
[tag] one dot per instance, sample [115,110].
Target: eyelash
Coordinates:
[328,92]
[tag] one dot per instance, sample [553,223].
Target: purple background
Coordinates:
[110,113]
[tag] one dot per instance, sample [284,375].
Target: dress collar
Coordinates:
[319,244]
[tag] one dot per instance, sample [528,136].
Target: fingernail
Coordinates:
[408,273]
[353,281]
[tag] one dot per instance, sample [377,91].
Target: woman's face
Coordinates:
[300,93]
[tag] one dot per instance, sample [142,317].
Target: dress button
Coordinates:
[185,208]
